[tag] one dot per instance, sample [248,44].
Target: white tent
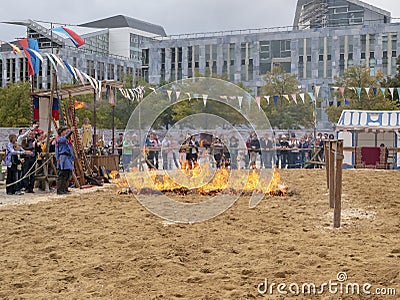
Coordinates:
[360,128]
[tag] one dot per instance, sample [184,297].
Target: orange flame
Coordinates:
[222,180]
[79,105]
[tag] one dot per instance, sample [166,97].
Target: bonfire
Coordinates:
[183,182]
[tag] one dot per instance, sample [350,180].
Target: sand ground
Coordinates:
[96,244]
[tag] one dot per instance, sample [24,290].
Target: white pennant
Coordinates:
[233,97]
[367,91]
[88,79]
[267,97]
[240,98]
[188,94]
[127,94]
[286,97]
[99,98]
[335,88]
[153,89]
[224,97]
[317,88]
[177,95]
[121,90]
[258,100]
[169,92]
[205,99]
[302,97]
[58,60]
[391,91]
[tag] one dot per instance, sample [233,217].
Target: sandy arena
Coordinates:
[96,244]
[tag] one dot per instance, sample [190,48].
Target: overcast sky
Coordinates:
[176,16]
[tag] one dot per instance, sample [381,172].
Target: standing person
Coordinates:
[192,152]
[284,152]
[156,152]
[87,134]
[29,143]
[119,143]
[65,159]
[150,151]
[127,152]
[255,149]
[12,170]
[266,151]
[166,149]
[217,151]
[233,145]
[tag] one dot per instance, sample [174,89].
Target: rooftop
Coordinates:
[120,21]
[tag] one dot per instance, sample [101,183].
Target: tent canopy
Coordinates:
[369,120]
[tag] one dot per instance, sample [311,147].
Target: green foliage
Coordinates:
[15,105]
[393,81]
[286,114]
[359,76]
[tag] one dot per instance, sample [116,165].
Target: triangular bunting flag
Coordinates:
[367,91]
[294,97]
[383,90]
[275,99]
[15,48]
[341,89]
[258,100]
[392,92]
[205,99]
[79,75]
[311,96]
[153,89]
[50,58]
[358,92]
[375,90]
[398,92]
[267,97]
[169,92]
[70,70]
[286,97]
[240,99]
[317,88]
[58,60]
[110,96]
[335,88]
[223,97]
[188,94]
[302,97]
[346,102]
[177,95]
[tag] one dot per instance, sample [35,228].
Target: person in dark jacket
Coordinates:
[254,149]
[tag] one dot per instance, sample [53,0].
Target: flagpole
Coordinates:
[113,119]
[315,113]
[94,123]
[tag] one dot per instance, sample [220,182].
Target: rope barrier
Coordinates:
[29,173]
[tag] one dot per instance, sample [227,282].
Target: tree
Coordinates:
[394,81]
[15,105]
[285,114]
[359,76]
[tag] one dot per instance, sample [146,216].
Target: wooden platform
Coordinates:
[110,162]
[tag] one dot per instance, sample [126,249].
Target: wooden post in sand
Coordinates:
[332,149]
[327,165]
[338,184]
